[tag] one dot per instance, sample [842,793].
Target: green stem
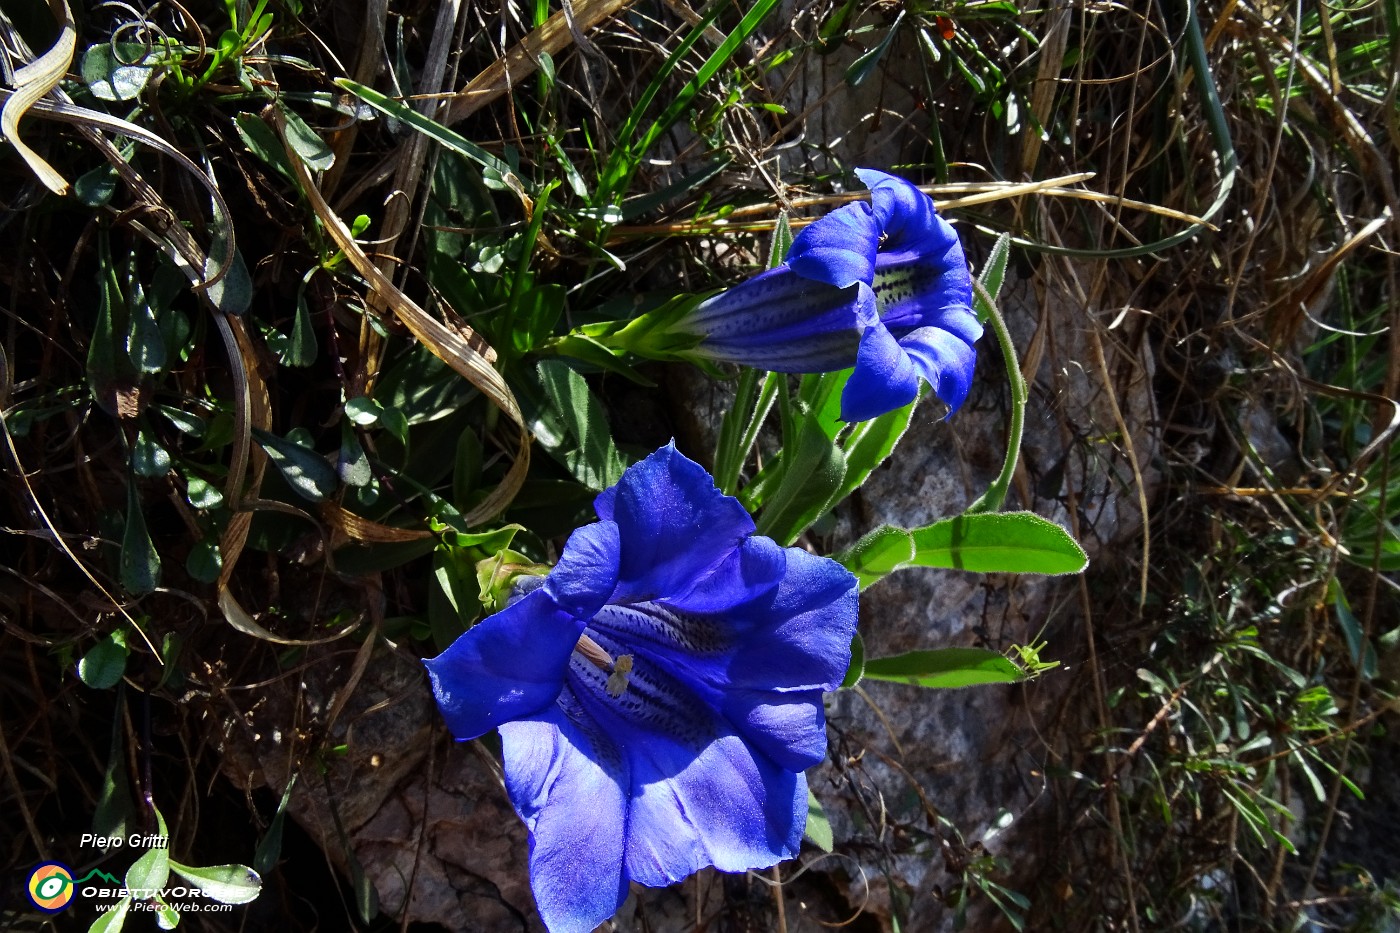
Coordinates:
[729,450]
[992,499]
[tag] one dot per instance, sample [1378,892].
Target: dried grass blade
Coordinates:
[521,61]
[33,81]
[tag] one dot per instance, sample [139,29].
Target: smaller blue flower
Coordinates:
[658,695]
[883,287]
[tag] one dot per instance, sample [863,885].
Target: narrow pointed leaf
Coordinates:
[305,471]
[945,667]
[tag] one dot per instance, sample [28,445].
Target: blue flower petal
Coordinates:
[802,639]
[587,572]
[838,248]
[945,361]
[509,665]
[675,526]
[884,378]
[790,728]
[906,216]
[720,805]
[751,572]
[575,807]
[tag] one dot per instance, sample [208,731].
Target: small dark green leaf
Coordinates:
[305,471]
[587,449]
[201,494]
[184,422]
[105,663]
[945,667]
[233,294]
[862,68]
[1008,542]
[140,564]
[270,847]
[148,458]
[363,411]
[353,466]
[115,810]
[113,71]
[95,187]
[104,370]
[262,142]
[306,143]
[301,347]
[145,344]
[206,561]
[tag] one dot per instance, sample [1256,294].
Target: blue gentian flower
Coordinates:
[883,287]
[658,695]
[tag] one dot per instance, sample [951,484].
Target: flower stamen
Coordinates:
[594,653]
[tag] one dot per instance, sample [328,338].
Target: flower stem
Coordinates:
[992,499]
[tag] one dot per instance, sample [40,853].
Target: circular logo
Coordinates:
[51,887]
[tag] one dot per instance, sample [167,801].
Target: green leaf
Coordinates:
[205,561]
[428,127]
[1363,655]
[270,848]
[232,294]
[145,344]
[780,244]
[104,369]
[300,347]
[105,662]
[588,451]
[882,551]
[945,667]
[115,810]
[184,422]
[116,73]
[148,874]
[864,66]
[140,563]
[992,276]
[148,458]
[818,826]
[201,494]
[263,143]
[113,919]
[856,669]
[363,411]
[870,444]
[167,917]
[810,479]
[1009,542]
[306,143]
[353,466]
[305,471]
[227,884]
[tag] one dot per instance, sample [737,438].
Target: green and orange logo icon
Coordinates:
[51,887]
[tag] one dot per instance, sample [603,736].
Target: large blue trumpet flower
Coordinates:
[658,695]
[883,287]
